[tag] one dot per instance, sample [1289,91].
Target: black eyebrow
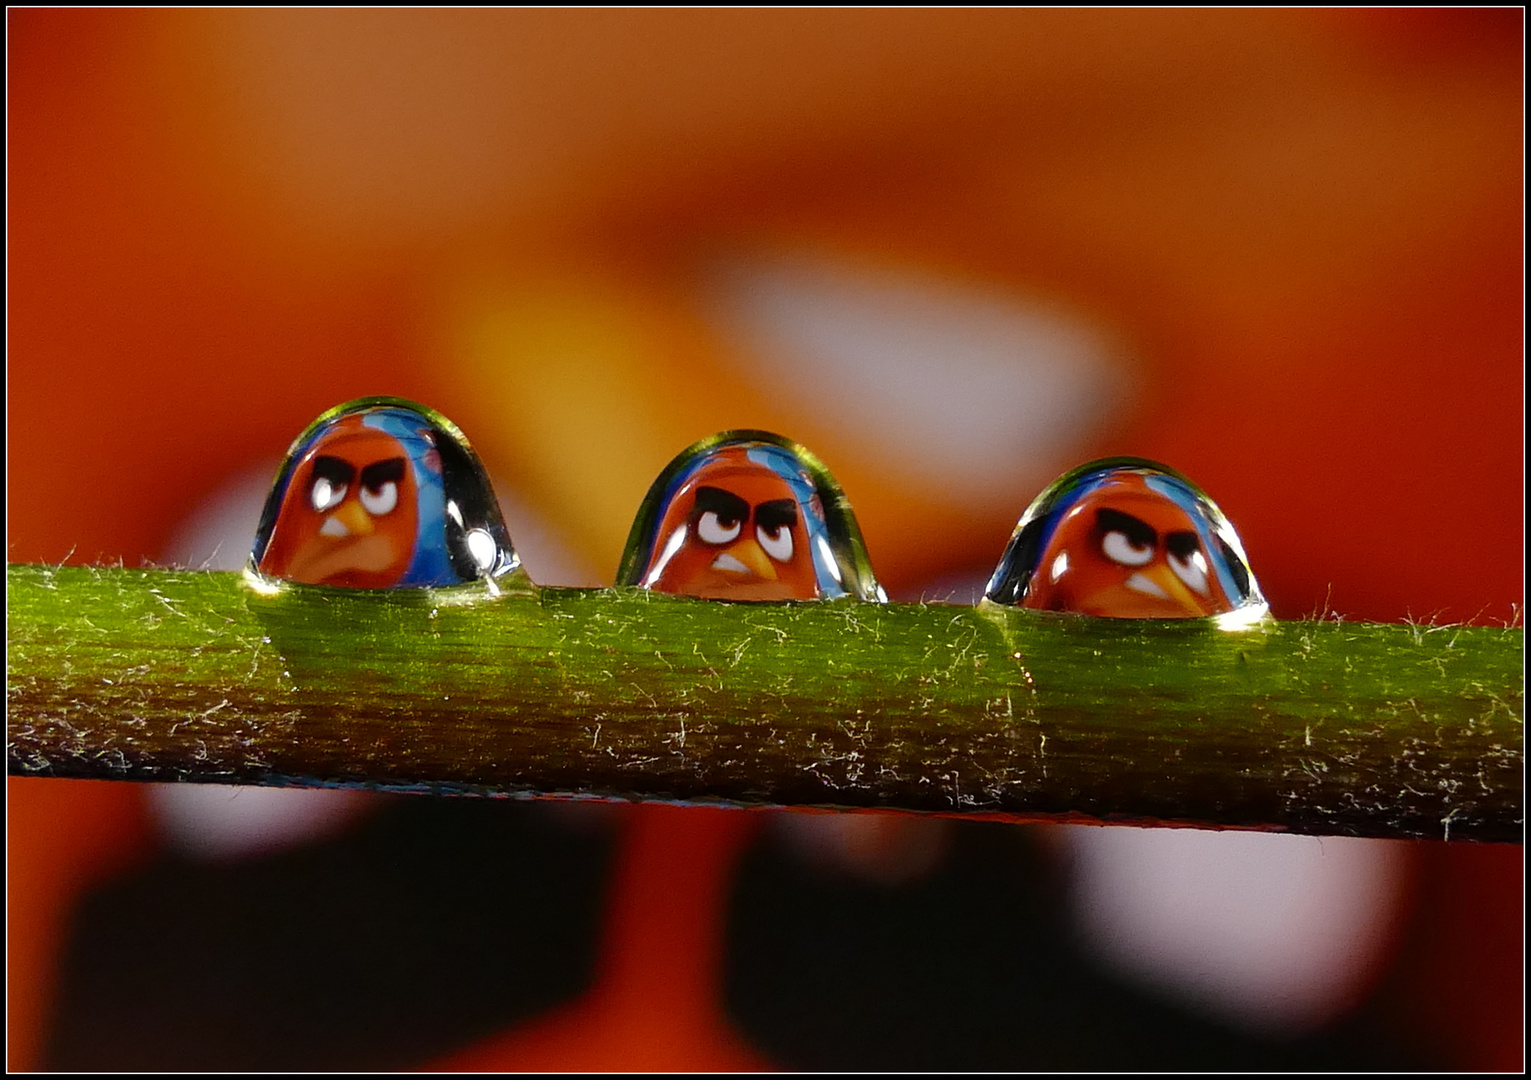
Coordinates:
[1139,532]
[379,473]
[336,470]
[1182,544]
[772,515]
[727,505]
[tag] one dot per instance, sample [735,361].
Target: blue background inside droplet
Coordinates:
[431,564]
[1193,505]
[784,464]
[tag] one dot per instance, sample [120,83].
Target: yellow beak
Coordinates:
[1162,576]
[753,556]
[354,517]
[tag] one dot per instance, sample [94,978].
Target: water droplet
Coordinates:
[747,515]
[1126,538]
[382,492]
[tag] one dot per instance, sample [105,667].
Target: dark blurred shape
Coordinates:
[437,922]
[1460,972]
[972,967]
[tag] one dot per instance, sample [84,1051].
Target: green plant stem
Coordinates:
[1315,727]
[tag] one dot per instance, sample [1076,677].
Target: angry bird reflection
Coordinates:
[747,516]
[381,493]
[733,531]
[1128,539]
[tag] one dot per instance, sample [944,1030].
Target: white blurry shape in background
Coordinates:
[1274,932]
[970,393]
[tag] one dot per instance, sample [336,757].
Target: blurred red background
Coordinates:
[1304,230]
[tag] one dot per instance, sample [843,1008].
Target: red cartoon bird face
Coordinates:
[1125,551]
[733,531]
[349,514]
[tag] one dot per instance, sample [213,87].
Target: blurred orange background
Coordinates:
[1289,244]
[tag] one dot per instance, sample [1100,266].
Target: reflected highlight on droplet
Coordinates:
[380,493]
[1127,538]
[748,515]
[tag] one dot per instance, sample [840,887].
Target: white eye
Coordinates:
[1120,549]
[325,494]
[384,499]
[1192,570]
[713,531]
[778,545]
